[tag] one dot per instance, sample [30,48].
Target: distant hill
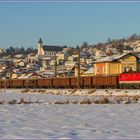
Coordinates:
[132,42]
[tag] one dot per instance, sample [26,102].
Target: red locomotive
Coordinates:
[129,80]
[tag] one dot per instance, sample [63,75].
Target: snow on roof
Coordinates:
[46,72]
[49,72]
[90,70]
[108,59]
[120,56]
[22,76]
[27,75]
[18,55]
[111,58]
[82,67]
[16,60]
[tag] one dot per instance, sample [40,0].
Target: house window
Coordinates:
[125,70]
[130,69]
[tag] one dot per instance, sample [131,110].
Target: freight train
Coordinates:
[124,80]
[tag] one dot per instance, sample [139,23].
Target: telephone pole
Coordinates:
[5,74]
[55,67]
[79,82]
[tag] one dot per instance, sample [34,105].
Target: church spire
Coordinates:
[40,41]
[40,47]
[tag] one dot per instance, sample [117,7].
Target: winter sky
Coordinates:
[66,23]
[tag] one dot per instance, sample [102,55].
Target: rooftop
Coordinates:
[113,58]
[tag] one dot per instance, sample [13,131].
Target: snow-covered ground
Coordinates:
[112,96]
[45,119]
[81,92]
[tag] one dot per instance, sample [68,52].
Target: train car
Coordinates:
[1,84]
[74,82]
[98,81]
[87,82]
[44,83]
[129,80]
[5,83]
[17,83]
[105,81]
[30,83]
[113,81]
[61,82]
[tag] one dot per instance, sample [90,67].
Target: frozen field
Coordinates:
[68,120]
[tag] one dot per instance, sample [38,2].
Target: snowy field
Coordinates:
[40,117]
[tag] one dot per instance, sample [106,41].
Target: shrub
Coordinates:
[91,91]
[14,101]
[86,101]
[25,90]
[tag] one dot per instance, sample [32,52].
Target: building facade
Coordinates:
[116,65]
[47,50]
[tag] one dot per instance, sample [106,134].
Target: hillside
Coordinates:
[129,43]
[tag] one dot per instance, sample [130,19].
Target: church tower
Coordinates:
[40,47]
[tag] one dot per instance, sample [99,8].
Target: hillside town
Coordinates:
[60,61]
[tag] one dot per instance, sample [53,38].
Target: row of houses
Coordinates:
[111,65]
[46,62]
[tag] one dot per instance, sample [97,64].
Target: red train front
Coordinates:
[129,80]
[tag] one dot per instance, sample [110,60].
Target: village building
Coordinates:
[89,61]
[32,58]
[126,51]
[19,56]
[1,50]
[82,70]
[19,63]
[137,49]
[89,72]
[69,65]
[73,58]
[82,61]
[113,65]
[13,75]
[138,61]
[32,75]
[110,50]
[47,50]
[100,53]
[62,56]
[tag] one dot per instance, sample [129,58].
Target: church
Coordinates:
[47,50]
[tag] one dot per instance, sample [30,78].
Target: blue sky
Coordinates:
[64,23]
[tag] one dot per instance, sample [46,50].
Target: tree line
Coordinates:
[18,50]
[21,50]
[117,43]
